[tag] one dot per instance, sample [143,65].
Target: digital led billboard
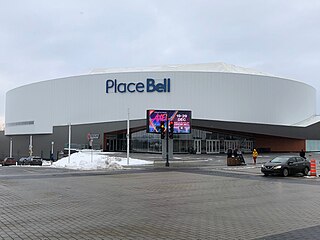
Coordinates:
[181,120]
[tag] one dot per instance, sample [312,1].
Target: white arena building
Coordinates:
[232,107]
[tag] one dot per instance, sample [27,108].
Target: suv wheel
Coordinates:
[285,172]
[305,171]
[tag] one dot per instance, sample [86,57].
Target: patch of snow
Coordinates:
[96,160]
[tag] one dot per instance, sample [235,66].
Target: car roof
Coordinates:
[288,156]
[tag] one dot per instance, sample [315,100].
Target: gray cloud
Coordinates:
[40,40]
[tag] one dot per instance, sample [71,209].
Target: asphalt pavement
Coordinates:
[197,197]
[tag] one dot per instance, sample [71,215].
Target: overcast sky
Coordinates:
[41,40]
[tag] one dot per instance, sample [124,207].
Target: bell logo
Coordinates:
[150,85]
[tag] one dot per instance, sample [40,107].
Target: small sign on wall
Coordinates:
[92,136]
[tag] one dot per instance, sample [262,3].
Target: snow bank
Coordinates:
[87,160]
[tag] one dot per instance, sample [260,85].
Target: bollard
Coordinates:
[313,168]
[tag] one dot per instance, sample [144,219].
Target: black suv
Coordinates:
[286,165]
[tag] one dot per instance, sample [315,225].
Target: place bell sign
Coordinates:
[150,85]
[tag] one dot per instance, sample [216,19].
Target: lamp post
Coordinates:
[30,146]
[167,143]
[69,148]
[91,146]
[51,156]
[11,147]
[128,137]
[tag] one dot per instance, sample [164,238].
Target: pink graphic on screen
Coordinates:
[181,119]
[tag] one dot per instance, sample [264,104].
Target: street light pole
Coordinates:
[128,137]
[69,149]
[30,146]
[167,140]
[11,147]
[51,157]
[91,143]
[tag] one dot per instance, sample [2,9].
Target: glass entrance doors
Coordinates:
[231,144]
[247,146]
[112,144]
[212,146]
[199,142]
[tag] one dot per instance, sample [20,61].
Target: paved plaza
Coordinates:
[193,200]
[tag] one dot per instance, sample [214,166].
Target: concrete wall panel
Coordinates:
[211,96]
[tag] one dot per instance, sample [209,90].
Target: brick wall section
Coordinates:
[277,144]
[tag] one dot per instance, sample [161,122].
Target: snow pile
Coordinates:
[87,160]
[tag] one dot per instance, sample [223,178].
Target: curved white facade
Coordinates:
[210,93]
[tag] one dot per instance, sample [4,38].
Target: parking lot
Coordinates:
[197,197]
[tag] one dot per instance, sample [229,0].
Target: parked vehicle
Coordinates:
[1,161]
[22,161]
[9,161]
[33,160]
[286,165]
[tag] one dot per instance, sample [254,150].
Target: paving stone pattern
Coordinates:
[173,204]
